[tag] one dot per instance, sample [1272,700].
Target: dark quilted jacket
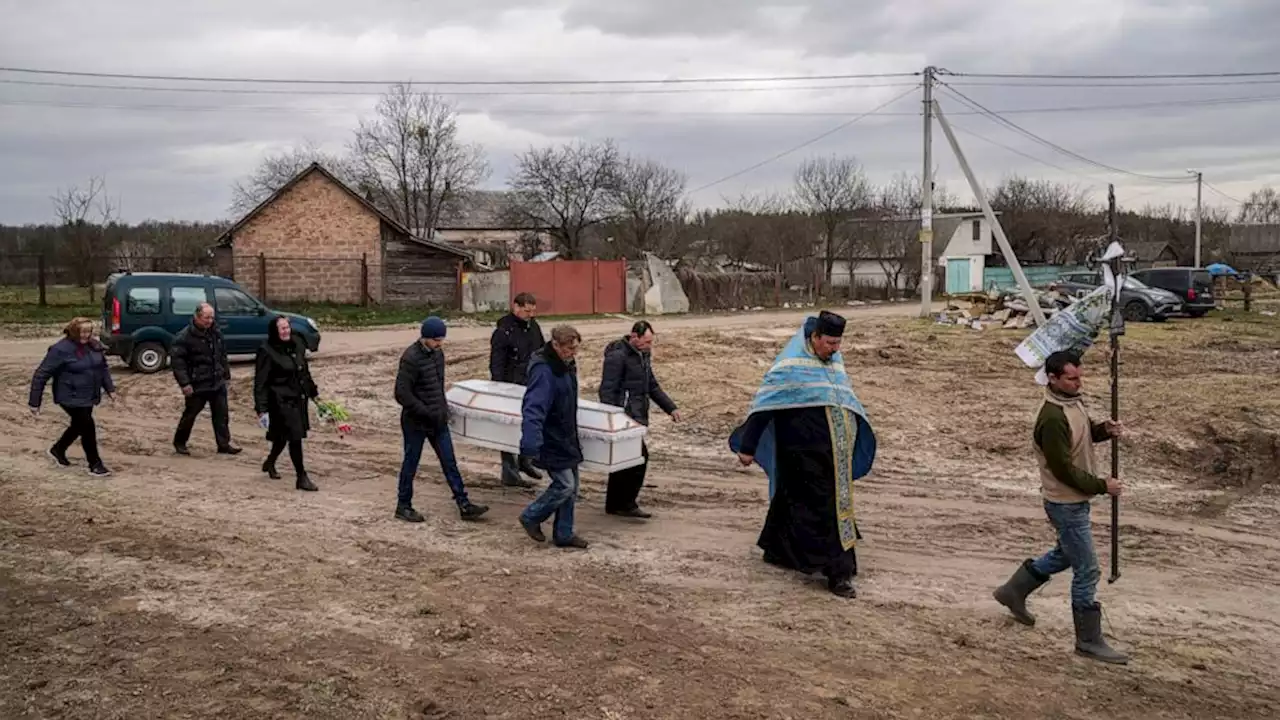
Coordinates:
[420,388]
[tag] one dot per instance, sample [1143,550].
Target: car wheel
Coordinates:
[1135,311]
[149,358]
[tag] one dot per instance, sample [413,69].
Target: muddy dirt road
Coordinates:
[195,587]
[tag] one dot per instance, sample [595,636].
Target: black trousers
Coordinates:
[624,485]
[82,427]
[295,453]
[217,402]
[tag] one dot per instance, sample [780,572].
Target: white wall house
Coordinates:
[964,254]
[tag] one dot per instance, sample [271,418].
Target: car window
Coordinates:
[142,301]
[185,300]
[1132,283]
[230,301]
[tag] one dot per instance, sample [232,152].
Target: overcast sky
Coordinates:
[174,154]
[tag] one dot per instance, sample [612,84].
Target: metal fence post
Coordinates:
[364,279]
[40,280]
[262,277]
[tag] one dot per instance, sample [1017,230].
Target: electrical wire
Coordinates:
[284,81]
[802,145]
[1028,156]
[1135,76]
[961,97]
[1109,84]
[1224,195]
[483,93]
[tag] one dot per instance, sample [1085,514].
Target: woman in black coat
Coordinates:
[282,387]
[77,364]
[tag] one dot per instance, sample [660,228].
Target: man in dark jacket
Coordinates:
[200,365]
[549,435]
[515,340]
[424,417]
[628,382]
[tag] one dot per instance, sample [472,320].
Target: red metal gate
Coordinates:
[573,287]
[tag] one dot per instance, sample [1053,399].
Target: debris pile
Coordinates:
[1005,309]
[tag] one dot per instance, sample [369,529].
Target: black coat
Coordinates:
[514,341]
[79,374]
[549,412]
[282,387]
[199,359]
[420,388]
[628,382]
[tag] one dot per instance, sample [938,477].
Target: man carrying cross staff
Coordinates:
[1064,438]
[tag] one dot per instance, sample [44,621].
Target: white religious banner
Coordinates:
[1076,326]
[487,414]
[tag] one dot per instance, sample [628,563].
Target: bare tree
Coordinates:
[566,190]
[276,169]
[1262,206]
[832,189]
[649,204]
[84,217]
[1046,221]
[410,159]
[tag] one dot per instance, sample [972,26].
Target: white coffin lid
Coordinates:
[504,399]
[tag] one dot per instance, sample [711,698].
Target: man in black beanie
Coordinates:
[424,418]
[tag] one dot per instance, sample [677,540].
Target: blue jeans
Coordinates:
[558,498]
[442,443]
[1074,550]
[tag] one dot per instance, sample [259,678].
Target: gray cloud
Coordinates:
[175,154]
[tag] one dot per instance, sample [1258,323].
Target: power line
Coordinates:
[1219,192]
[1049,143]
[612,81]
[1135,76]
[1109,84]
[1016,151]
[482,93]
[802,145]
[1204,102]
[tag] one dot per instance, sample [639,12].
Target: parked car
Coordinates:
[1137,300]
[142,312]
[1194,286]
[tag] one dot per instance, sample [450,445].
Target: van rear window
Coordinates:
[1202,278]
[142,301]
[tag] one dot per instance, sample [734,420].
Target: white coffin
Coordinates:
[487,414]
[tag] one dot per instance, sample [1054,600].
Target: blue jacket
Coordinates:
[549,433]
[79,374]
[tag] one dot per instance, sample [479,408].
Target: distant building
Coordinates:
[485,223]
[1151,254]
[1256,248]
[315,239]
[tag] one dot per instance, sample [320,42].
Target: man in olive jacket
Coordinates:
[424,417]
[198,357]
[1064,437]
[514,341]
[628,382]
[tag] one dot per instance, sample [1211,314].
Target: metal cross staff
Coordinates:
[1117,329]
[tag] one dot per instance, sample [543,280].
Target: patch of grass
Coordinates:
[62,295]
[33,314]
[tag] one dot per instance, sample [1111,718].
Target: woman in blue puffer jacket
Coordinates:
[77,364]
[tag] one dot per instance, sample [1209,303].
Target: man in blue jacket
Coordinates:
[549,436]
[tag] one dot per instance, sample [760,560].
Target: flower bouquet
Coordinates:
[332,412]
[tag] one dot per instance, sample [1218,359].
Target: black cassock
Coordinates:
[801,530]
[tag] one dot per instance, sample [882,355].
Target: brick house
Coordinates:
[485,223]
[317,240]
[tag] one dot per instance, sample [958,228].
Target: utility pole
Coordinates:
[926,201]
[1199,212]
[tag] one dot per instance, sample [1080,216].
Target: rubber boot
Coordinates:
[1013,594]
[304,483]
[1089,640]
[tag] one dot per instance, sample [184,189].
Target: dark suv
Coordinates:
[1137,301]
[1193,285]
[142,312]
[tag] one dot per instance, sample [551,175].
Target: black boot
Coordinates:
[471,511]
[408,514]
[304,483]
[842,587]
[269,467]
[526,467]
[1013,594]
[1089,640]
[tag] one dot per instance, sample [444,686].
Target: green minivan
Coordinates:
[142,312]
